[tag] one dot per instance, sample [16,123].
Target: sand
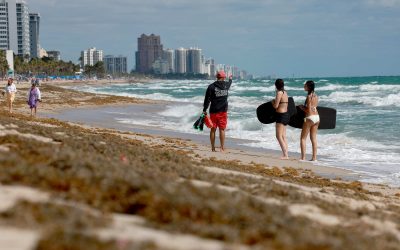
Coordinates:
[88,186]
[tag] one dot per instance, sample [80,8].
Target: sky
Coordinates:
[283,38]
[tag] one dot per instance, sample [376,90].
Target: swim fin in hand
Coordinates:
[199,121]
[201,125]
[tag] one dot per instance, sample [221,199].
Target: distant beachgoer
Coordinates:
[311,121]
[34,97]
[217,95]
[10,91]
[280,103]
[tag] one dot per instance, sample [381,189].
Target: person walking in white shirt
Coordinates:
[10,91]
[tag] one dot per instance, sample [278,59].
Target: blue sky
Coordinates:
[280,37]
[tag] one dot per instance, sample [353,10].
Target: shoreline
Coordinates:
[103,117]
[103,101]
[66,183]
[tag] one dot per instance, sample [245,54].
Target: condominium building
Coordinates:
[116,65]
[91,57]
[209,67]
[24,48]
[54,54]
[169,57]
[34,21]
[149,50]
[180,60]
[14,27]
[194,61]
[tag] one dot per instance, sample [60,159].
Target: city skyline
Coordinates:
[283,38]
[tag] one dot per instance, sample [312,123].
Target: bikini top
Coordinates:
[305,102]
[281,99]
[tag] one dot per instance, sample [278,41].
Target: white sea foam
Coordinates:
[367,98]
[181,111]
[383,87]
[252,88]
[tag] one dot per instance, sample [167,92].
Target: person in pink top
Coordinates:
[34,97]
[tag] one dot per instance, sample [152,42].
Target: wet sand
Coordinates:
[65,185]
[110,117]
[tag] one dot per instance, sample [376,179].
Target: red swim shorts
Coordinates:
[219,120]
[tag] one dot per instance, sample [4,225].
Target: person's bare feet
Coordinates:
[213,150]
[285,158]
[222,150]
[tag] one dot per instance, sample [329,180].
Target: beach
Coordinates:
[73,177]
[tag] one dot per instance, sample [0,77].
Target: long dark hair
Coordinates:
[280,85]
[310,86]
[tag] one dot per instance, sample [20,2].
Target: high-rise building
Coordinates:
[149,50]
[212,68]
[209,67]
[91,57]
[169,57]
[193,61]
[14,27]
[180,60]
[34,22]
[116,65]
[54,54]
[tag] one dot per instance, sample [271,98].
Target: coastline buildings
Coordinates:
[149,50]
[116,65]
[14,27]
[151,58]
[91,57]
[34,22]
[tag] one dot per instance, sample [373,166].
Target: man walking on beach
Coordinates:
[217,95]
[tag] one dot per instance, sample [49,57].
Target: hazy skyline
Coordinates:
[281,37]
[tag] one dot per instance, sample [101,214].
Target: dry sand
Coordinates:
[67,185]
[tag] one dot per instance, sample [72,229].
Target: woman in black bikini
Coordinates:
[280,103]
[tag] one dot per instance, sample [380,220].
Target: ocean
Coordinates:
[367,135]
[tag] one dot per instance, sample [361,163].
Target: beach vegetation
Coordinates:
[43,67]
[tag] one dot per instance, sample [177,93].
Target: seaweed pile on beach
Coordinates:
[95,175]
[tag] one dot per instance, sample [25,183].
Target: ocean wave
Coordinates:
[236,89]
[382,87]
[181,111]
[391,100]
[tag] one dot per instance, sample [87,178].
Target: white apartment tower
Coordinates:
[169,57]
[14,27]
[34,22]
[180,60]
[193,61]
[91,57]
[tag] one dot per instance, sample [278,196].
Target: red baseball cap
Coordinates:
[221,74]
